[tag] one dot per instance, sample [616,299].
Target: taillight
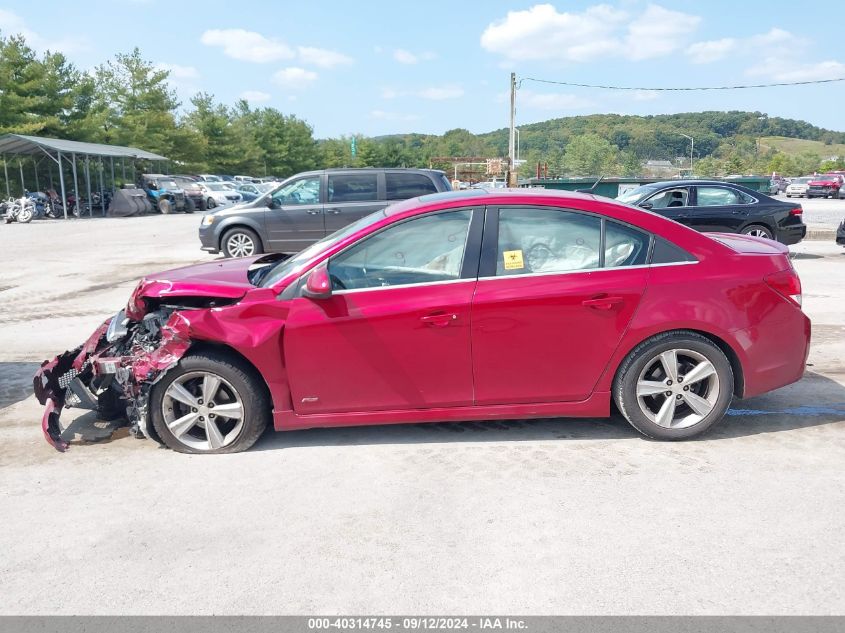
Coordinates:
[786,283]
[796,211]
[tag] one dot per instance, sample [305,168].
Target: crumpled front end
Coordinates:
[113,371]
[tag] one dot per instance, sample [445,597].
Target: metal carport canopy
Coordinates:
[22,144]
[59,149]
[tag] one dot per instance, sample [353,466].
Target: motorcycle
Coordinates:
[19,210]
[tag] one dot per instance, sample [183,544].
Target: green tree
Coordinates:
[589,155]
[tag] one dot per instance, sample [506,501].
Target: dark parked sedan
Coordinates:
[715,206]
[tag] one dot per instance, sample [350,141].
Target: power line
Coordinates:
[681,89]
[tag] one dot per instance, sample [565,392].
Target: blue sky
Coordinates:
[379,67]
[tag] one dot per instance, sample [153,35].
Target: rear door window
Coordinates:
[669,198]
[403,186]
[718,197]
[353,187]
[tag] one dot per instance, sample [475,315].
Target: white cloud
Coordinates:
[321,57]
[646,95]
[13,24]
[712,51]
[178,72]
[432,93]
[247,46]
[548,100]
[255,96]
[766,43]
[407,57]
[658,32]
[779,69]
[541,33]
[294,77]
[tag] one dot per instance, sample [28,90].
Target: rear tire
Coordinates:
[241,242]
[210,203]
[666,409]
[758,230]
[229,384]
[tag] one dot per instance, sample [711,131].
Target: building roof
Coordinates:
[22,144]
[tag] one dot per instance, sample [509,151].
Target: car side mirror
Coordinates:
[645,205]
[270,203]
[318,285]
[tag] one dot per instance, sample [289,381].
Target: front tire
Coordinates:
[165,206]
[241,242]
[674,386]
[210,203]
[210,403]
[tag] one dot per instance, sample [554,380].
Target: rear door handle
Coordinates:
[334,211]
[602,303]
[439,320]
[313,211]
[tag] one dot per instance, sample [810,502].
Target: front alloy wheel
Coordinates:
[211,402]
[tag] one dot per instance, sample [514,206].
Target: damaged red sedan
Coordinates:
[457,306]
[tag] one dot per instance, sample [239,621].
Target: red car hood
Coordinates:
[224,279]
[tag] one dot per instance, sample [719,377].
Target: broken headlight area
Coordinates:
[113,371]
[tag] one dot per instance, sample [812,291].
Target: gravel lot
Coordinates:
[541,517]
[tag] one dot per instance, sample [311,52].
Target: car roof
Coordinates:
[491,196]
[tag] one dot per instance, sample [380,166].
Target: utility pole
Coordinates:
[512,138]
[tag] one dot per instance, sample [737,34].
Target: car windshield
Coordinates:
[801,181]
[630,197]
[167,184]
[298,261]
[216,186]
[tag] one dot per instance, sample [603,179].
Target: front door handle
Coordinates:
[440,319]
[603,302]
[334,211]
[313,212]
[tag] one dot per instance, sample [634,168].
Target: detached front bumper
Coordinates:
[107,375]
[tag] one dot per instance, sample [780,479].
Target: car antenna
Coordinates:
[591,189]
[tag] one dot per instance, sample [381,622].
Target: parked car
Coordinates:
[777,184]
[826,186]
[210,178]
[576,302]
[307,207]
[164,193]
[840,233]
[194,195]
[218,194]
[710,205]
[798,187]
[250,179]
[251,192]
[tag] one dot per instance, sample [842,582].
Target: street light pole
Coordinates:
[511,177]
[691,149]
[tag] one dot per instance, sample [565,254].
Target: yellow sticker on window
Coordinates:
[513,260]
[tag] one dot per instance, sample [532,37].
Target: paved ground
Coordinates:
[522,517]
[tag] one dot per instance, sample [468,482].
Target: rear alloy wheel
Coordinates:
[758,230]
[165,206]
[209,403]
[211,203]
[674,386]
[241,243]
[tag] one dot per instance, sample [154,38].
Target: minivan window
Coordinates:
[403,186]
[353,187]
[302,191]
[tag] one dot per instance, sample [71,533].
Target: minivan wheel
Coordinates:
[241,242]
[758,230]
[674,386]
[209,403]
